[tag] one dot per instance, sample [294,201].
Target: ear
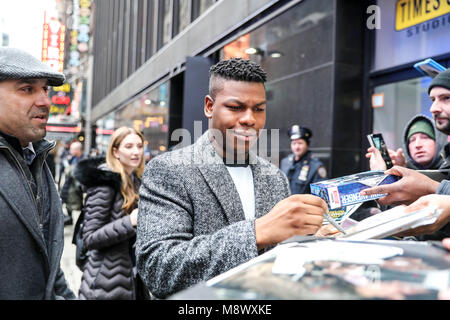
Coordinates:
[208,108]
[114,151]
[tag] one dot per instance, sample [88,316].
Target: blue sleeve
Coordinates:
[284,166]
[316,176]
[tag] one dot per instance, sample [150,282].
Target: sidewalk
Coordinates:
[71,271]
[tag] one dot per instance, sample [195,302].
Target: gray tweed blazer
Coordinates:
[191,224]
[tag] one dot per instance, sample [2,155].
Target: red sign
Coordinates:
[53,44]
[62,129]
[61,100]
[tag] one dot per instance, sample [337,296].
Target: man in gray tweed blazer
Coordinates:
[202,213]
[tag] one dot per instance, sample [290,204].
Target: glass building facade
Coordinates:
[325,65]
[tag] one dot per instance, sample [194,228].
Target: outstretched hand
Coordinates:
[377,161]
[440,201]
[134,217]
[446,243]
[397,157]
[411,186]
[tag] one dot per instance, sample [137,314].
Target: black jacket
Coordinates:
[107,234]
[303,172]
[31,228]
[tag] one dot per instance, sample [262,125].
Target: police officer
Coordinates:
[300,166]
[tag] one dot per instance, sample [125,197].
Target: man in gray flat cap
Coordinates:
[31,228]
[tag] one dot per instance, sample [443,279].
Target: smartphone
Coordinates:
[376,140]
[429,67]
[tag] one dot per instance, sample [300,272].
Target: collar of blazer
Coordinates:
[219,180]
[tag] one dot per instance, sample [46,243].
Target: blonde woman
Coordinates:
[110,218]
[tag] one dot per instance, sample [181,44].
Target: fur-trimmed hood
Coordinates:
[93,172]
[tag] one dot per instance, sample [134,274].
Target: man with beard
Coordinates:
[413,184]
[209,207]
[31,228]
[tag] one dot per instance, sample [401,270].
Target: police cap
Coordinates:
[298,132]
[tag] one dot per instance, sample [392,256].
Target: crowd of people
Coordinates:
[151,230]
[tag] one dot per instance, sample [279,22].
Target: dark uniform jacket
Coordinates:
[31,228]
[303,172]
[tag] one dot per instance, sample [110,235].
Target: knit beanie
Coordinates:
[421,126]
[441,80]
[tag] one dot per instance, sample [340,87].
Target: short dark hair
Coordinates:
[237,69]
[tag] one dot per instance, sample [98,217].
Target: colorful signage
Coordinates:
[412,12]
[410,31]
[79,36]
[53,44]
[61,98]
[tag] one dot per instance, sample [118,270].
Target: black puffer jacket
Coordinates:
[107,234]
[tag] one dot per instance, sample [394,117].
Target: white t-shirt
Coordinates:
[243,180]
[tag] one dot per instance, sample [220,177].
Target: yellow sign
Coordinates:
[65,88]
[412,12]
[57,109]
[138,125]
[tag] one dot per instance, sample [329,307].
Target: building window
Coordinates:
[395,104]
[151,27]
[204,5]
[149,114]
[200,6]
[105,128]
[293,48]
[182,9]
[164,22]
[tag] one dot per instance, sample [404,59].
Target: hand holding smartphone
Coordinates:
[376,140]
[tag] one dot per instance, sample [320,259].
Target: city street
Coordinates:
[226,128]
[71,271]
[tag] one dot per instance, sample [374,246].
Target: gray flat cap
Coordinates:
[18,64]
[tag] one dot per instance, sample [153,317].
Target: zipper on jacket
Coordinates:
[28,183]
[40,214]
[40,222]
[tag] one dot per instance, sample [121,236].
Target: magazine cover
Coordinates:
[344,191]
[344,270]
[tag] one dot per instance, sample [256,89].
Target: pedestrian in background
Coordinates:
[63,154]
[300,166]
[31,228]
[110,218]
[422,143]
[71,192]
